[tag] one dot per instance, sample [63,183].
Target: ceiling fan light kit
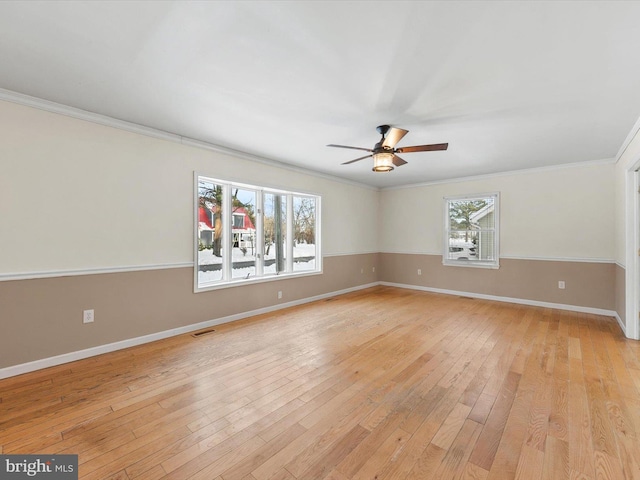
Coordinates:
[382,162]
[384,152]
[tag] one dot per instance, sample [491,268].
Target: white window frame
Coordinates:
[227,223]
[494,264]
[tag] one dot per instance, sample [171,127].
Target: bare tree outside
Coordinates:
[460,213]
[304,220]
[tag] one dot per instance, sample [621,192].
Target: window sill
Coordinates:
[240,282]
[471,264]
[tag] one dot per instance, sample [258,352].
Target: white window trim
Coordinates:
[466,263]
[227,280]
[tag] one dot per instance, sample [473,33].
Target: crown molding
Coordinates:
[77,113]
[549,168]
[632,133]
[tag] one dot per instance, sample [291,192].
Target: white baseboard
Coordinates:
[132,342]
[520,301]
[621,323]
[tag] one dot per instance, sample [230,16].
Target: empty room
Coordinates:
[279,240]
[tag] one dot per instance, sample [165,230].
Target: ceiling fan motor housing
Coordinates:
[379,148]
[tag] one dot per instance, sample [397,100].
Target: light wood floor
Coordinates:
[378,384]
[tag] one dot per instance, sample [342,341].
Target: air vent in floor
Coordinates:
[203,332]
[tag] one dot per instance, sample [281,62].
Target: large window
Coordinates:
[246,233]
[471,230]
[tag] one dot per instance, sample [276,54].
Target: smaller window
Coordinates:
[471,230]
[238,221]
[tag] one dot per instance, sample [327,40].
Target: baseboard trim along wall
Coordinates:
[519,301]
[621,324]
[132,342]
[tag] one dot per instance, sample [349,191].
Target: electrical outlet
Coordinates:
[561,284]
[362,270]
[373,269]
[279,294]
[88,316]
[419,271]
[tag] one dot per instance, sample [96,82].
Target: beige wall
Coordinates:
[589,285]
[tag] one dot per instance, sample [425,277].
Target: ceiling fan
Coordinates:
[384,152]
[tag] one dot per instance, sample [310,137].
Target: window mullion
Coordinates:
[259,234]
[227,219]
[290,234]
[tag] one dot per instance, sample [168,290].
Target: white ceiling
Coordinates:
[510,85]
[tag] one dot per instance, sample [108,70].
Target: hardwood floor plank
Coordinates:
[530,464]
[601,429]
[379,434]
[457,456]
[155,473]
[213,469]
[169,449]
[581,453]
[426,464]
[556,459]
[482,408]
[540,411]
[450,428]
[489,441]
[387,450]
[507,456]
[244,468]
[573,475]
[329,459]
[293,417]
[318,438]
[122,456]
[473,472]
[607,467]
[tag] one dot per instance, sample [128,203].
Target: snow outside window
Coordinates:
[247,233]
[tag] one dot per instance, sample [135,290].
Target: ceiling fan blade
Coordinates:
[356,160]
[352,148]
[397,161]
[394,135]
[423,148]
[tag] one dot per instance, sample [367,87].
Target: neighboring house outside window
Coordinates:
[471,230]
[247,233]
